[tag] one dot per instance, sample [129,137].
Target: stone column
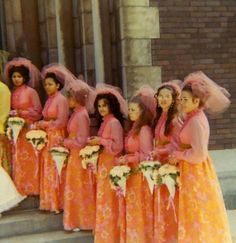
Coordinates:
[97,39]
[87,45]
[30,21]
[139,23]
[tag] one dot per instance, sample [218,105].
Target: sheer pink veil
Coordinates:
[72,84]
[175,84]
[81,90]
[62,73]
[34,73]
[215,98]
[102,88]
[146,94]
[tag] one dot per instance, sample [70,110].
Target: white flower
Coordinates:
[16,124]
[59,155]
[89,150]
[38,138]
[168,169]
[118,177]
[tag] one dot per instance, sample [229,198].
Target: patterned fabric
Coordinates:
[202,213]
[51,185]
[79,199]
[165,224]
[25,161]
[139,200]
[107,223]
[5,153]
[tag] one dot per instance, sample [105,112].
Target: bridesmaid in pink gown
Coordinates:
[138,145]
[108,106]
[202,214]
[25,103]
[79,198]
[165,225]
[55,117]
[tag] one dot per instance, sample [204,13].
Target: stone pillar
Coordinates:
[15,36]
[87,47]
[30,21]
[139,23]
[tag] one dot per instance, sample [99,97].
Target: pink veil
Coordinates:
[34,73]
[71,84]
[102,88]
[146,94]
[215,98]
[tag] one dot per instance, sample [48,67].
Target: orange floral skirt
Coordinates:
[51,184]
[107,223]
[202,213]
[25,166]
[79,201]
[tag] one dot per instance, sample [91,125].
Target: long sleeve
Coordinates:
[145,146]
[33,113]
[82,133]
[198,133]
[62,115]
[5,105]
[114,144]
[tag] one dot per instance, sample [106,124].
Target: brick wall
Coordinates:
[200,35]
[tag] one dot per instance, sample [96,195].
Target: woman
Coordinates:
[25,103]
[165,222]
[55,116]
[202,214]
[9,196]
[138,145]
[110,107]
[5,105]
[79,199]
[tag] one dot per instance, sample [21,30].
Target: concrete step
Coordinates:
[53,237]
[29,222]
[227,181]
[232,222]
[31,202]
[225,165]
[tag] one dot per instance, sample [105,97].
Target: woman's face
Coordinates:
[188,103]
[50,86]
[165,99]
[134,111]
[71,102]
[103,107]
[17,79]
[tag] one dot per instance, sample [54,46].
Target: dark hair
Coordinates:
[171,112]
[24,72]
[113,104]
[189,89]
[145,117]
[55,78]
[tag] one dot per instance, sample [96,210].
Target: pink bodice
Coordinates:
[26,100]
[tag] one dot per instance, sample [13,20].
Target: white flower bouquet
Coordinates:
[15,125]
[118,177]
[38,138]
[59,155]
[167,175]
[147,168]
[89,155]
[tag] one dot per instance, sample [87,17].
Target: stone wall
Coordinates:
[200,35]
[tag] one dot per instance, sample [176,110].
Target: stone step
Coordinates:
[31,202]
[59,236]
[232,222]
[29,222]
